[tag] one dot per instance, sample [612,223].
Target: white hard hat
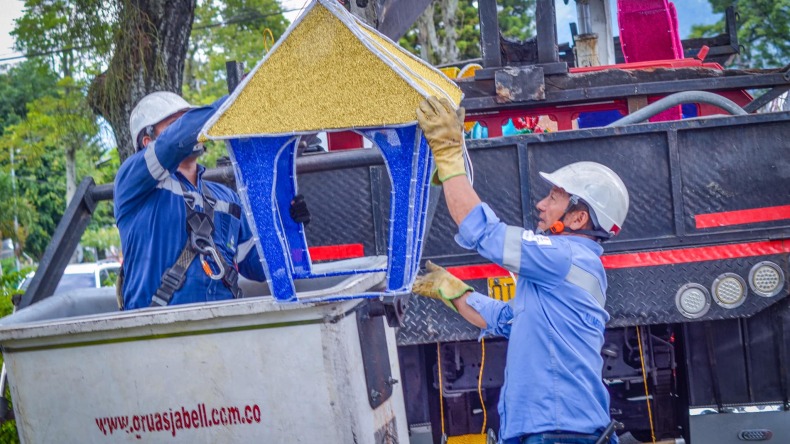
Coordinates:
[152,109]
[599,187]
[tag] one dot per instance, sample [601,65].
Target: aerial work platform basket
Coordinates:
[246,370]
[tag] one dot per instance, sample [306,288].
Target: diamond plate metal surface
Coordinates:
[340,206]
[646,295]
[737,168]
[636,296]
[428,320]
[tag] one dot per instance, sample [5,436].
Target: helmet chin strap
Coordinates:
[197,151]
[559,227]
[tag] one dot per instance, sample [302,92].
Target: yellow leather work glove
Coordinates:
[439,284]
[443,127]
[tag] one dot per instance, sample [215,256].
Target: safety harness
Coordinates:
[200,243]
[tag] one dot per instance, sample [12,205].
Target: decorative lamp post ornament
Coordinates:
[330,72]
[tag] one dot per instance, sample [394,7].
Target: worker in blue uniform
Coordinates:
[184,239]
[553,390]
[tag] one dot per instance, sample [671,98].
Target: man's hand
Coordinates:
[443,127]
[438,283]
[299,212]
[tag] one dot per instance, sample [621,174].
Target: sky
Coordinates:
[690,12]
[9,10]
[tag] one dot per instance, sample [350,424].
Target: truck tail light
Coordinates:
[692,300]
[729,290]
[766,279]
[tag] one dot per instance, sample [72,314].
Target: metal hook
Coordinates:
[207,267]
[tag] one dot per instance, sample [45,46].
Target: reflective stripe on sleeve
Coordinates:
[587,282]
[511,250]
[244,249]
[158,172]
[171,185]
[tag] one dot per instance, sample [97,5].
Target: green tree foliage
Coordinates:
[75,35]
[61,122]
[99,232]
[56,145]
[9,283]
[44,186]
[51,125]
[242,38]
[237,30]
[149,50]
[9,287]
[60,137]
[763,30]
[516,20]
[8,433]
[100,239]
[21,84]
[17,214]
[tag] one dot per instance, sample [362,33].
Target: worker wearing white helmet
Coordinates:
[553,389]
[183,238]
[597,187]
[151,110]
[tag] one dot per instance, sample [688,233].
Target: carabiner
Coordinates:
[207,268]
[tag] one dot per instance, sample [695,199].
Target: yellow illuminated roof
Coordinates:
[329,71]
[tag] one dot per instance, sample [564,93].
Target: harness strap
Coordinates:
[200,239]
[231,276]
[174,277]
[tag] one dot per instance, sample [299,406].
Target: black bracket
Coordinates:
[64,241]
[235,72]
[519,84]
[391,307]
[375,353]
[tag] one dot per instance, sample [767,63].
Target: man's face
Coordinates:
[552,207]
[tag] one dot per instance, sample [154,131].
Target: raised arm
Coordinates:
[141,173]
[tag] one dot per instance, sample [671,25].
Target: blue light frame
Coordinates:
[266,166]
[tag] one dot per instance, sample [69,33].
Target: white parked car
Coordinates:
[86,275]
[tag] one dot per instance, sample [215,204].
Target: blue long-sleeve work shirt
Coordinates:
[151,215]
[553,377]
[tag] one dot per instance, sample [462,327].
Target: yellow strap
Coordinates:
[441,398]
[464,439]
[480,382]
[467,439]
[644,379]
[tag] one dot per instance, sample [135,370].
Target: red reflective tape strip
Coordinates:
[723,219]
[336,252]
[699,254]
[633,260]
[472,272]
